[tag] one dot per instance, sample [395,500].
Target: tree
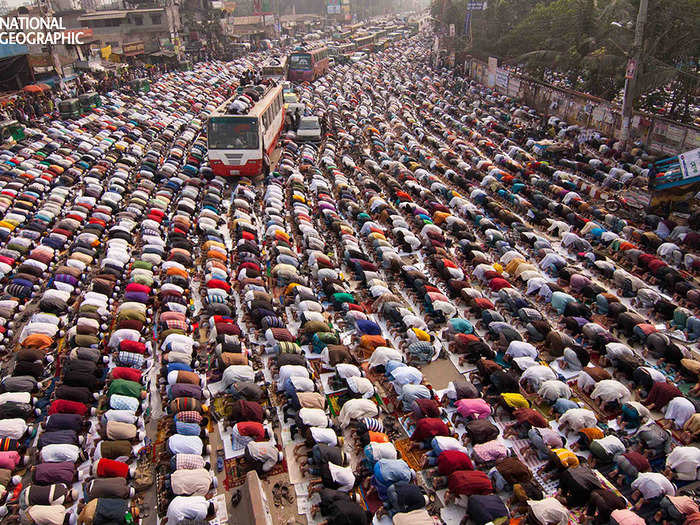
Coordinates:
[586,44]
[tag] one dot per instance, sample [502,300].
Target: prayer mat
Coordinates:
[237,468]
[372,503]
[336,400]
[414,458]
[678,436]
[317,366]
[540,405]
[162,501]
[591,405]
[276,399]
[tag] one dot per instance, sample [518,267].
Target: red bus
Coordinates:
[307,64]
[242,133]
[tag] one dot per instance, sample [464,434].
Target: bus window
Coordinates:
[228,133]
[300,61]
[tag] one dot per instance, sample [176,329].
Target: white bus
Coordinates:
[275,68]
[242,132]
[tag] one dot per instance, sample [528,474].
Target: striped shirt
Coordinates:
[188,461]
[372,424]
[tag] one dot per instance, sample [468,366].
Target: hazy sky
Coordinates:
[16,3]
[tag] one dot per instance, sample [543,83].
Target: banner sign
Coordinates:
[690,163]
[333,7]
[678,171]
[502,79]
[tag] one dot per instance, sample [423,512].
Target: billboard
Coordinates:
[13,50]
[133,48]
[333,7]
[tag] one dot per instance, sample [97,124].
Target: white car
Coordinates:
[309,129]
[356,57]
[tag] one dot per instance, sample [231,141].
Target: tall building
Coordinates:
[60,6]
[88,5]
[133,32]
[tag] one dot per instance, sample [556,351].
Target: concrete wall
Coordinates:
[661,136]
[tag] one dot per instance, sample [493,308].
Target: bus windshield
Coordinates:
[233,133]
[300,61]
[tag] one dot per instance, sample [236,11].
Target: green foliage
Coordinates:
[588,42]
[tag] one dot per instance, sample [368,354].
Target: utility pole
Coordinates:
[632,70]
[46,12]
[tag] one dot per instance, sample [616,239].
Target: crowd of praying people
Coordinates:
[150,310]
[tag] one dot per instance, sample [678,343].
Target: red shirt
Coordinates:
[428,407]
[110,468]
[646,328]
[124,372]
[531,416]
[429,427]
[248,265]
[131,324]
[483,303]
[640,461]
[469,482]
[64,406]
[645,258]
[491,274]
[251,429]
[136,287]
[498,283]
[218,283]
[450,461]
[655,264]
[132,346]
[661,393]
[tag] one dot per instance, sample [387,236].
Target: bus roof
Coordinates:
[308,48]
[257,109]
[276,62]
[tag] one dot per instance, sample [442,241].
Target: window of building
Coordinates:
[156,19]
[138,20]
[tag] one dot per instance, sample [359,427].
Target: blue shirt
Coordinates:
[392,365]
[409,393]
[389,471]
[187,429]
[120,402]
[562,405]
[178,366]
[406,375]
[368,327]
[461,326]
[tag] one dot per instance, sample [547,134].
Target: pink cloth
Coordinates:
[477,407]
[491,451]
[9,460]
[627,517]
